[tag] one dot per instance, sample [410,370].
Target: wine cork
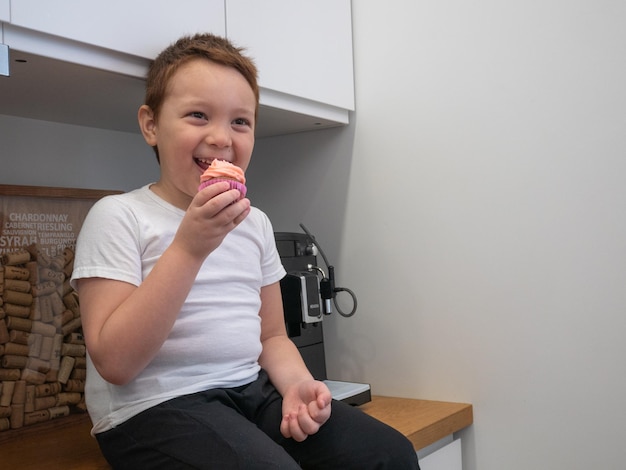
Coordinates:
[58,307]
[43,403]
[16,349]
[33,272]
[47,389]
[75,385]
[17,297]
[43,328]
[57,345]
[68,398]
[35,314]
[46,347]
[42,258]
[75,338]
[58,262]
[10,361]
[7,393]
[73,349]
[37,364]
[66,316]
[19,393]
[80,374]
[5,411]
[17,416]
[47,274]
[66,287]
[10,375]
[17,285]
[35,417]
[22,324]
[67,364]
[5,336]
[81,363]
[53,373]
[68,255]
[67,270]
[19,337]
[5,424]
[43,288]
[71,326]
[15,272]
[44,303]
[34,343]
[30,398]
[71,302]
[15,258]
[59,411]
[33,377]
[15,310]
[82,405]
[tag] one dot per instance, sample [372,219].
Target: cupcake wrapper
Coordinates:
[233,185]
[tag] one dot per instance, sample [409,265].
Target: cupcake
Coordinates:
[221,170]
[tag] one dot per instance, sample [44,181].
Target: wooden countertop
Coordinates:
[424,422]
[67,443]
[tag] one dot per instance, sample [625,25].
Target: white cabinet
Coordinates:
[139,27]
[302,48]
[448,457]
[5,12]
[303,51]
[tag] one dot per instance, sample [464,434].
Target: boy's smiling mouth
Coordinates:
[203,163]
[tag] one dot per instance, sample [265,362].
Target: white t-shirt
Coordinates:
[215,341]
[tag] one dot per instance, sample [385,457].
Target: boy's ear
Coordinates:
[147,124]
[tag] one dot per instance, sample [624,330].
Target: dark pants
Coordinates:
[239,429]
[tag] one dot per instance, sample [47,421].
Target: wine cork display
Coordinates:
[42,349]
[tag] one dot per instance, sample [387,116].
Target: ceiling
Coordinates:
[53,90]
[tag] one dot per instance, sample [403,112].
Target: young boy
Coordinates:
[189,364]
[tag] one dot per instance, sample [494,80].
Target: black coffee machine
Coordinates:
[301,299]
[305,308]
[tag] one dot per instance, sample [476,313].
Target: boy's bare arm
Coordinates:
[306,401]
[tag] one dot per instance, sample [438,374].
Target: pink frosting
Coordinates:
[223,169]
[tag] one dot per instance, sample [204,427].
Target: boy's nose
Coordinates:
[219,136]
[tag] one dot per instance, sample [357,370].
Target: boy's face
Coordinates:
[208,113]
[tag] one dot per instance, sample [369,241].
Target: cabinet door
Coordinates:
[302,48]
[447,458]
[5,12]
[138,27]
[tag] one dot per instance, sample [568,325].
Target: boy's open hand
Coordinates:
[306,407]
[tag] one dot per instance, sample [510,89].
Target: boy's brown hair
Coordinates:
[200,46]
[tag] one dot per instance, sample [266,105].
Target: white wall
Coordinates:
[41,153]
[475,206]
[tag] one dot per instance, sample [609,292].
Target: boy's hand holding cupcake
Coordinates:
[221,170]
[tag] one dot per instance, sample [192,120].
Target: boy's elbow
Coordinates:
[116,379]
[114,372]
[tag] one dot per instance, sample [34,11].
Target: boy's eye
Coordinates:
[197,115]
[241,122]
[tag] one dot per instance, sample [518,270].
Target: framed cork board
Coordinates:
[42,351]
